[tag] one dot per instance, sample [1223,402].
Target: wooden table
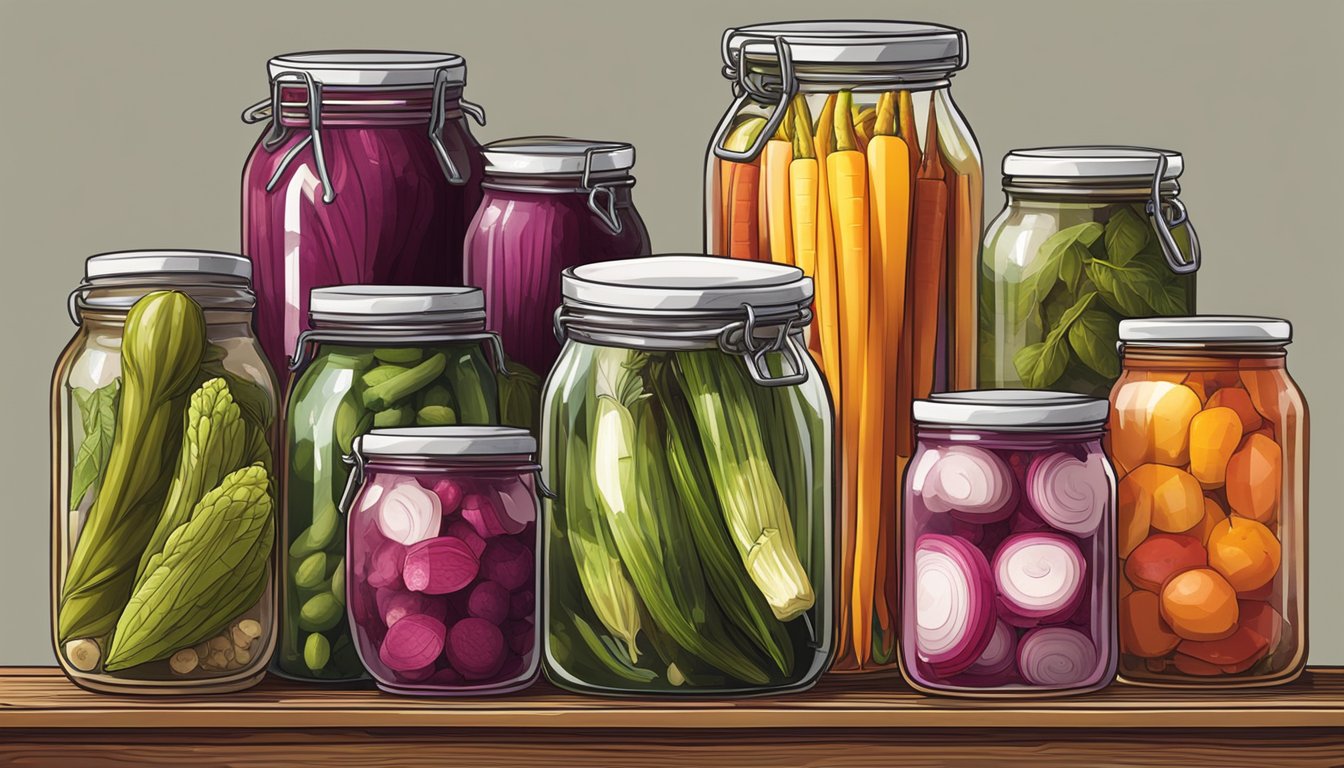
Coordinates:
[44,720]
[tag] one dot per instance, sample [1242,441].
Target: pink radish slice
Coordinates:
[409,513]
[954,604]
[1069,494]
[395,604]
[999,655]
[461,529]
[1039,575]
[508,562]
[518,503]
[413,643]
[971,482]
[385,565]
[490,601]
[1056,657]
[475,648]
[440,566]
[449,492]
[484,513]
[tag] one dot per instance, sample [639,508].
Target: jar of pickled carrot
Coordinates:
[1209,436]
[844,154]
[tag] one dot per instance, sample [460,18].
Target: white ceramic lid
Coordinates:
[916,44]
[448,441]
[1011,409]
[368,303]
[1206,329]
[686,283]
[372,68]
[133,263]
[542,155]
[1090,162]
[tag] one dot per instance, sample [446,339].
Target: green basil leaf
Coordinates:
[1093,337]
[1126,235]
[1134,290]
[1040,365]
[1071,265]
[98,414]
[1070,315]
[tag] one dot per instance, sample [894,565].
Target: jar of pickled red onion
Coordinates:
[1008,546]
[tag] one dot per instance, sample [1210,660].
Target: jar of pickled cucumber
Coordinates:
[377,356]
[1209,436]
[163,485]
[687,439]
[844,153]
[1088,236]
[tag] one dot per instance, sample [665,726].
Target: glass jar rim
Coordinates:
[557,156]
[412,306]
[113,282]
[1205,332]
[1022,410]
[372,68]
[856,45]
[446,443]
[1092,163]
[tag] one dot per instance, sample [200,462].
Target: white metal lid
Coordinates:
[917,44]
[686,283]
[1211,329]
[372,68]
[1021,409]
[448,441]
[1091,162]
[542,155]
[134,263]
[412,303]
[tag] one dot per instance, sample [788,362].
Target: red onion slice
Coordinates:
[954,608]
[1039,575]
[968,481]
[999,655]
[1056,657]
[1069,494]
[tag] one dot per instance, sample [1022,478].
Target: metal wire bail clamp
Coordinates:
[1163,227]
[606,213]
[743,89]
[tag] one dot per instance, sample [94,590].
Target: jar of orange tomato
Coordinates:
[1208,435]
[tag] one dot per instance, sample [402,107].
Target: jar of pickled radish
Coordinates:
[1008,546]
[844,154]
[1088,236]
[1209,436]
[442,566]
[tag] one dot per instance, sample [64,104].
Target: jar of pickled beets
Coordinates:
[1008,546]
[442,559]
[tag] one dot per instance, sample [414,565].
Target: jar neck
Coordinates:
[560,184]
[109,299]
[766,77]
[366,107]
[513,464]
[1025,191]
[1041,436]
[1202,356]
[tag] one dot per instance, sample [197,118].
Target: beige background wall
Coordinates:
[119,127]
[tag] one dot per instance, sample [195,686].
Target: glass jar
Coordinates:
[443,559]
[1209,436]
[1078,246]
[1009,546]
[687,437]
[374,185]
[549,204]
[377,356]
[163,413]
[883,209]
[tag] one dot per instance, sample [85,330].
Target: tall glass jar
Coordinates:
[1009,546]
[549,204]
[1088,236]
[377,356]
[443,559]
[845,155]
[1209,435]
[686,435]
[366,173]
[163,413]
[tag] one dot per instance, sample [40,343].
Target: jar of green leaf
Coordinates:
[1088,236]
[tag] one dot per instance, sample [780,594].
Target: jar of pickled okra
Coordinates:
[1209,436]
[1088,236]
[442,567]
[1008,546]
[377,356]
[163,414]
[844,154]
[687,439]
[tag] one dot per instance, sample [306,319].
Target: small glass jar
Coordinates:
[163,416]
[549,203]
[377,356]
[1008,546]
[367,173]
[687,437]
[1209,436]
[843,153]
[442,567]
[1087,236]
